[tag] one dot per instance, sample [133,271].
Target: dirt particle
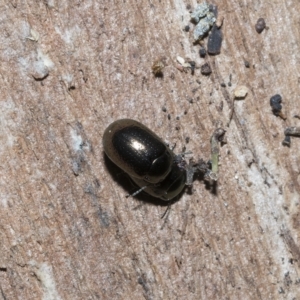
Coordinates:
[287,141]
[247,64]
[292,131]
[240,92]
[214,42]
[260,25]
[206,69]
[202,52]
[275,102]
[187,28]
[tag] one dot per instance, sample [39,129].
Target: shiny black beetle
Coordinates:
[145,158]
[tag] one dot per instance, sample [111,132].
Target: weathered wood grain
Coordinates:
[68,69]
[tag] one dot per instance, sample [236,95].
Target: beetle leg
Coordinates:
[136,192]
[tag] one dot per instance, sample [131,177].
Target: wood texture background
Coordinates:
[66,229]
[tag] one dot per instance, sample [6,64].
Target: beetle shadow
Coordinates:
[124,180]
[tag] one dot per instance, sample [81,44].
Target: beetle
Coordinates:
[144,156]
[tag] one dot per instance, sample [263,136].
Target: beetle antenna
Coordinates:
[167,210]
[173,147]
[136,192]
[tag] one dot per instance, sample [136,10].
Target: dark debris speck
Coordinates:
[287,141]
[202,52]
[206,69]
[260,25]
[275,104]
[214,42]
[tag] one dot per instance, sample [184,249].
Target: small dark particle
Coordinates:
[292,131]
[247,64]
[296,116]
[191,100]
[198,81]
[177,118]
[143,283]
[206,69]
[276,106]
[260,25]
[164,109]
[187,28]
[275,102]
[187,139]
[202,52]
[177,128]
[188,7]
[71,87]
[140,280]
[214,42]
[192,63]
[169,117]
[223,84]
[229,83]
[220,135]
[185,112]
[287,141]
[193,66]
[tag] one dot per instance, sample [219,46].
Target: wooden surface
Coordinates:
[66,229]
